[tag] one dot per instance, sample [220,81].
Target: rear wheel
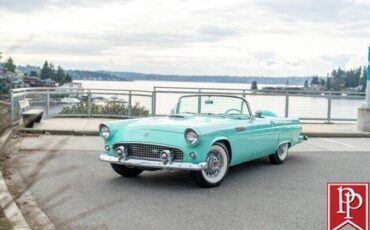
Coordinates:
[280,155]
[217,167]
[126,171]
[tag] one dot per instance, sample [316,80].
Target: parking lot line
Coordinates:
[338,142]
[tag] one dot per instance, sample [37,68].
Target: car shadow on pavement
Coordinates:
[243,173]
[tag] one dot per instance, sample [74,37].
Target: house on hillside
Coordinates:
[33,81]
[37,82]
[50,83]
[8,81]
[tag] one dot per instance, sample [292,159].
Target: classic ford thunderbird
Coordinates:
[204,134]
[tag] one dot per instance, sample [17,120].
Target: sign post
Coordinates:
[363,115]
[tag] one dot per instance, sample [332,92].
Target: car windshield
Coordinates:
[212,105]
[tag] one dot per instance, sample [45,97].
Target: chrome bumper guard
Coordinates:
[153,164]
[302,138]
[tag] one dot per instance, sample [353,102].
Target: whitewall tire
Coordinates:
[280,155]
[218,159]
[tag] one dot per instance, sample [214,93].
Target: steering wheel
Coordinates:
[239,111]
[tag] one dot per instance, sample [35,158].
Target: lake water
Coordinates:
[304,107]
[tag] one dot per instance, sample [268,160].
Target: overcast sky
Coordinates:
[216,37]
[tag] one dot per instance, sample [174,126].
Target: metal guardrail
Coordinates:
[50,100]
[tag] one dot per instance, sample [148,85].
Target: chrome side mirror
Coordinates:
[258,113]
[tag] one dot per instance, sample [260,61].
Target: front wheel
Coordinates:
[280,155]
[126,171]
[217,167]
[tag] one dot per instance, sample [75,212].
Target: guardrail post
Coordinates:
[154,94]
[129,104]
[329,109]
[244,93]
[199,101]
[12,107]
[287,105]
[47,103]
[89,103]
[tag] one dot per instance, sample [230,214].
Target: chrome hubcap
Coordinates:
[283,151]
[214,164]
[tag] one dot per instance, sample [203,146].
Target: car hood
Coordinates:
[175,123]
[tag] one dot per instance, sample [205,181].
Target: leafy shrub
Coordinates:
[109,108]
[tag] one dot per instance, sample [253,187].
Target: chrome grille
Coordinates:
[149,151]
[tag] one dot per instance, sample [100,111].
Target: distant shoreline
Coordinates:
[135,76]
[209,79]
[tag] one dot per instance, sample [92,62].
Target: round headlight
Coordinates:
[104,131]
[191,136]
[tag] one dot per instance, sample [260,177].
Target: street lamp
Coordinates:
[363,115]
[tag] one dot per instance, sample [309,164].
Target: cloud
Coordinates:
[239,37]
[317,10]
[161,39]
[19,43]
[36,5]
[219,32]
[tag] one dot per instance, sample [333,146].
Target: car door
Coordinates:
[264,136]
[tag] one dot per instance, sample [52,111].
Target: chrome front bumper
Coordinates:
[153,164]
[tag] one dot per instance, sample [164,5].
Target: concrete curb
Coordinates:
[96,133]
[59,132]
[12,211]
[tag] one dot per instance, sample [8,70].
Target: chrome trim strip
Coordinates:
[149,143]
[178,156]
[153,164]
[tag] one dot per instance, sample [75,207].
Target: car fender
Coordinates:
[221,138]
[283,142]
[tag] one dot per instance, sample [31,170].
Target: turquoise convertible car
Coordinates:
[204,134]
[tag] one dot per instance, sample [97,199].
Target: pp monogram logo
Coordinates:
[348,206]
[350,198]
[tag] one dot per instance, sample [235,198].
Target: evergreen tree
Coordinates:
[68,78]
[52,72]
[9,65]
[44,74]
[327,82]
[322,82]
[33,73]
[60,75]
[364,78]
[315,80]
[254,85]
[306,83]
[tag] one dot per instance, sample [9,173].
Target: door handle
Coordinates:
[272,122]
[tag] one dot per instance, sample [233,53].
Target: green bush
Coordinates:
[109,108]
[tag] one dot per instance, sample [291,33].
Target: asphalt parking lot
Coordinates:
[77,191]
